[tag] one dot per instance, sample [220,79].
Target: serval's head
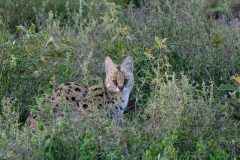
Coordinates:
[119,78]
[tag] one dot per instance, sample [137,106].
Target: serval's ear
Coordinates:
[109,65]
[127,64]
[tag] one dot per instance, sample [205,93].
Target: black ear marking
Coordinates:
[118,67]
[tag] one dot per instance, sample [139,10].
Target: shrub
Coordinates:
[180,58]
[176,123]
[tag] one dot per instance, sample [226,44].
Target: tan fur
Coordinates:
[113,96]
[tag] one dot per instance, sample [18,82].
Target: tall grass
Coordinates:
[175,112]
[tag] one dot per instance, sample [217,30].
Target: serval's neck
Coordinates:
[121,101]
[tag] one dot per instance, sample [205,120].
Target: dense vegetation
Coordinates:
[186,60]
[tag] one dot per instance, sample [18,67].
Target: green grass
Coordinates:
[176,111]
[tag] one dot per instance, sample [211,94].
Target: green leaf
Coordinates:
[140,59]
[21,28]
[227,87]
[233,94]
[65,40]
[32,28]
[120,47]
[237,94]
[217,39]
[47,137]
[155,46]
[211,157]
[164,40]
[166,48]
[113,39]
[41,128]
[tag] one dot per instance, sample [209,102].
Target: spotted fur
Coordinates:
[113,96]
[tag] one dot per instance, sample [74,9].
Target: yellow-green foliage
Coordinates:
[176,111]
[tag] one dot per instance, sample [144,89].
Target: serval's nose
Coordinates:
[120,88]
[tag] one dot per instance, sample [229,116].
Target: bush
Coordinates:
[180,58]
[174,124]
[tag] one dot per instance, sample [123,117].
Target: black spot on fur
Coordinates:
[100,95]
[68,91]
[67,98]
[77,89]
[56,90]
[84,94]
[122,100]
[58,94]
[67,84]
[105,92]
[111,93]
[120,107]
[53,98]
[85,106]
[73,98]
[70,86]
[56,105]
[97,89]
[77,104]
[60,89]
[34,116]
[100,105]
[111,117]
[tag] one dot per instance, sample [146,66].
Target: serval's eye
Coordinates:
[115,82]
[126,81]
